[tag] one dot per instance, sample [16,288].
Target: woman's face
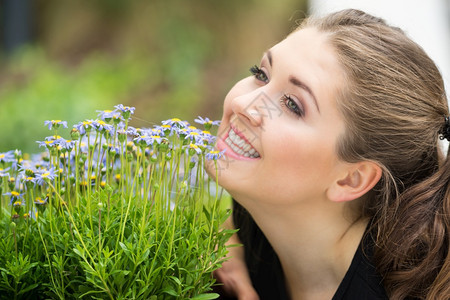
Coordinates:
[280,126]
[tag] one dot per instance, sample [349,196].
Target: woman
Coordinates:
[333,159]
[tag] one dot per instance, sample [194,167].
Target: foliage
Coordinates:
[115,212]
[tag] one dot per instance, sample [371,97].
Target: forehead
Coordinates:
[309,46]
[309,55]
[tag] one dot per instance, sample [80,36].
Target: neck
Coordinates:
[315,244]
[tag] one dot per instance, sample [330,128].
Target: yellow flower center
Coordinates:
[175,120]
[15,194]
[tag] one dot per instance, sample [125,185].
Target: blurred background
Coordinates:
[65,59]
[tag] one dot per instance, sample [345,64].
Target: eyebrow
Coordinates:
[296,81]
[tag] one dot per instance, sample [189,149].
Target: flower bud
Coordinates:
[75,134]
[129,157]
[122,136]
[130,146]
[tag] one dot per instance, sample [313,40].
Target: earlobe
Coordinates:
[360,178]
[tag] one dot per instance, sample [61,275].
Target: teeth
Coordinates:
[240,146]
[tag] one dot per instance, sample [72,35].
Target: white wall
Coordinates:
[426,21]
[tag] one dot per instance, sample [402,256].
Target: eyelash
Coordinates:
[258,73]
[293,108]
[261,76]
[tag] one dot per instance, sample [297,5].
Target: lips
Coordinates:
[240,145]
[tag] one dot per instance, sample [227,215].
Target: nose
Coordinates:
[253,107]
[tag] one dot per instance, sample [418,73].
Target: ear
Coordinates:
[358,179]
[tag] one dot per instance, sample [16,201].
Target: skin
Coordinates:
[301,195]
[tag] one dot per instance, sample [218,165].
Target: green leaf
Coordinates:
[206,296]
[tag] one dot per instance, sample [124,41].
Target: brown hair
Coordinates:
[394,105]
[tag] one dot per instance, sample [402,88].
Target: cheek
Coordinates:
[301,156]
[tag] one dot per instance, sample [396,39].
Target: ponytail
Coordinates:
[412,252]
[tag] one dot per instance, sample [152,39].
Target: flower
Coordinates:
[44,175]
[15,197]
[85,126]
[147,140]
[7,156]
[101,125]
[39,201]
[208,138]
[55,124]
[175,122]
[67,144]
[214,154]
[206,122]
[47,144]
[4,172]
[126,111]
[191,149]
[105,115]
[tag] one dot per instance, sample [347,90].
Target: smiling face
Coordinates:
[280,127]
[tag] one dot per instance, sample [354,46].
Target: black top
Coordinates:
[360,282]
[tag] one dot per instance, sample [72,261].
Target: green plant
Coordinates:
[114,213]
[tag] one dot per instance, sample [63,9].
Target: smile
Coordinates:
[240,145]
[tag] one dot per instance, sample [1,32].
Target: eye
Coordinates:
[259,74]
[289,102]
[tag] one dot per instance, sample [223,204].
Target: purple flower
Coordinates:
[4,172]
[6,157]
[147,140]
[15,197]
[207,122]
[47,144]
[126,111]
[175,122]
[105,115]
[214,154]
[168,130]
[208,138]
[55,124]
[44,175]
[39,201]
[67,144]
[101,125]
[123,108]
[192,149]
[85,126]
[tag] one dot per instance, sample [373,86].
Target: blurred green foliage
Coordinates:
[167,58]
